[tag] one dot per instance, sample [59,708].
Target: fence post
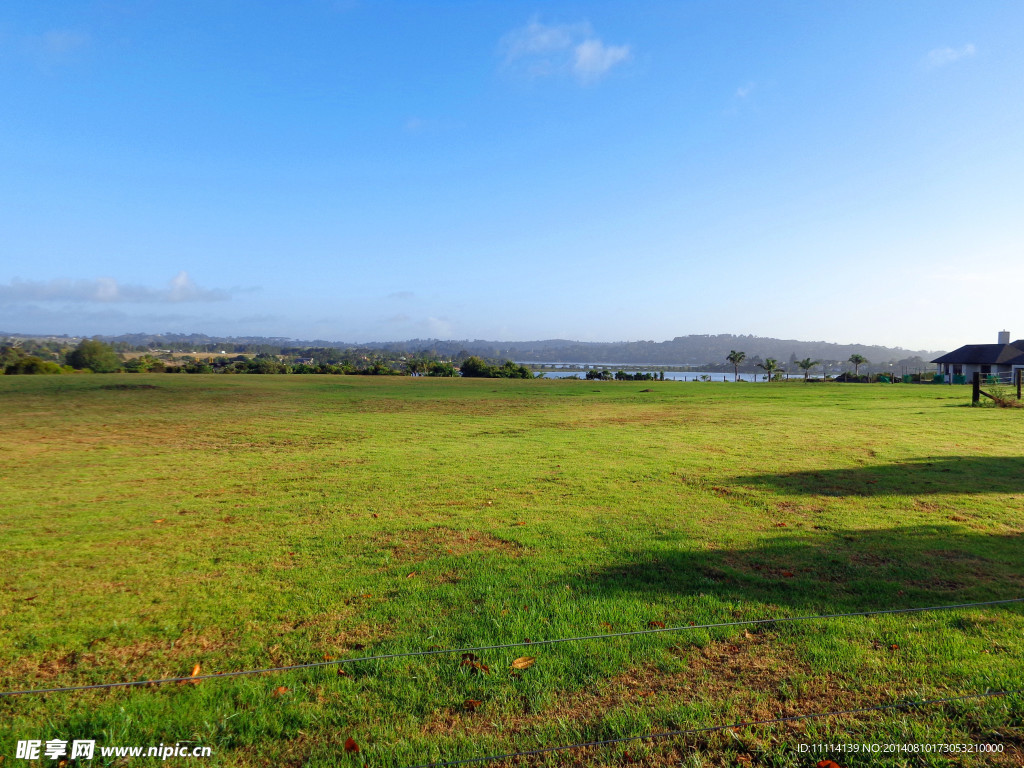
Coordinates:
[1017,372]
[976,389]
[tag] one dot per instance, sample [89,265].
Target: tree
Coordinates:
[265,364]
[770,366]
[474,367]
[736,358]
[509,370]
[806,364]
[94,355]
[858,361]
[144,364]
[438,368]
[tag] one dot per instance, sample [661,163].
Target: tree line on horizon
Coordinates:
[52,356]
[773,369]
[95,356]
[698,350]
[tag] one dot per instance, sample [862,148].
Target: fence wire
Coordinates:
[502,646]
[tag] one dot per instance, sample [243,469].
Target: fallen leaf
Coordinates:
[472,704]
[195,673]
[607,626]
[475,667]
[828,764]
[894,647]
[279,691]
[326,657]
[524,662]
[656,624]
[375,514]
[411,575]
[159,521]
[780,525]
[748,634]
[350,745]
[788,574]
[342,672]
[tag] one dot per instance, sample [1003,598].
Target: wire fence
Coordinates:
[502,646]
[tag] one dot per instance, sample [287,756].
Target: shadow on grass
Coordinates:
[945,474]
[832,571]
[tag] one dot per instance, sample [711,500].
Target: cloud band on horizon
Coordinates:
[107,290]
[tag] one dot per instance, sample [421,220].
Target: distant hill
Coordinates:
[682,350]
[692,350]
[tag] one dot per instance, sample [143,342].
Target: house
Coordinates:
[1003,357]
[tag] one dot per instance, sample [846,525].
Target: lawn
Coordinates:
[151,523]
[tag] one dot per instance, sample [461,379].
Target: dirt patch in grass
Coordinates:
[746,679]
[870,559]
[782,569]
[334,635]
[954,555]
[426,544]
[142,657]
[130,386]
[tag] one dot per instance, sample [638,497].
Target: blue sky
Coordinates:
[358,171]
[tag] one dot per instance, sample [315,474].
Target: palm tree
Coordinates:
[858,361]
[770,366]
[806,364]
[736,358]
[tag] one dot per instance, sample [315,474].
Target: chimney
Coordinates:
[1004,337]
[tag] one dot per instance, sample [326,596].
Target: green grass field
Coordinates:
[154,522]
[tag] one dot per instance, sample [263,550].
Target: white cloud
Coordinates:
[541,50]
[940,57]
[745,90]
[594,58]
[107,290]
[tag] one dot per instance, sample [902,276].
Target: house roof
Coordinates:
[986,354]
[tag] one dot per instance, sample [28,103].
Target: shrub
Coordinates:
[94,355]
[33,365]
